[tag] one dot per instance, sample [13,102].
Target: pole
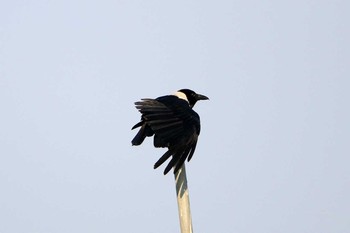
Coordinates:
[183,200]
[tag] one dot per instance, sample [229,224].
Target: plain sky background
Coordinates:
[273,154]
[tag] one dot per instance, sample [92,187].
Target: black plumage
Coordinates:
[173,123]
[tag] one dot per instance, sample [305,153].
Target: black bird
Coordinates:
[174,125]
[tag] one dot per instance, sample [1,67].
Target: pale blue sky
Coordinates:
[273,154]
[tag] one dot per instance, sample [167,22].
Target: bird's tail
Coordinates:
[163,159]
[177,160]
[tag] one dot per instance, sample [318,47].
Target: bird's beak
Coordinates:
[201,97]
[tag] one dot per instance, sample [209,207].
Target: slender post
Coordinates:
[183,200]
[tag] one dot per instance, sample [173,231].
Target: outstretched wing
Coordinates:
[175,126]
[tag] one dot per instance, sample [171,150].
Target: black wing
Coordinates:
[175,126]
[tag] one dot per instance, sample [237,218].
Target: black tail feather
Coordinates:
[170,165]
[174,160]
[182,159]
[162,159]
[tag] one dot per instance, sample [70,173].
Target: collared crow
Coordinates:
[173,123]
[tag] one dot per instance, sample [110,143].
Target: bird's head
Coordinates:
[190,96]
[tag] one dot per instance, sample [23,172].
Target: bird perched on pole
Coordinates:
[173,123]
